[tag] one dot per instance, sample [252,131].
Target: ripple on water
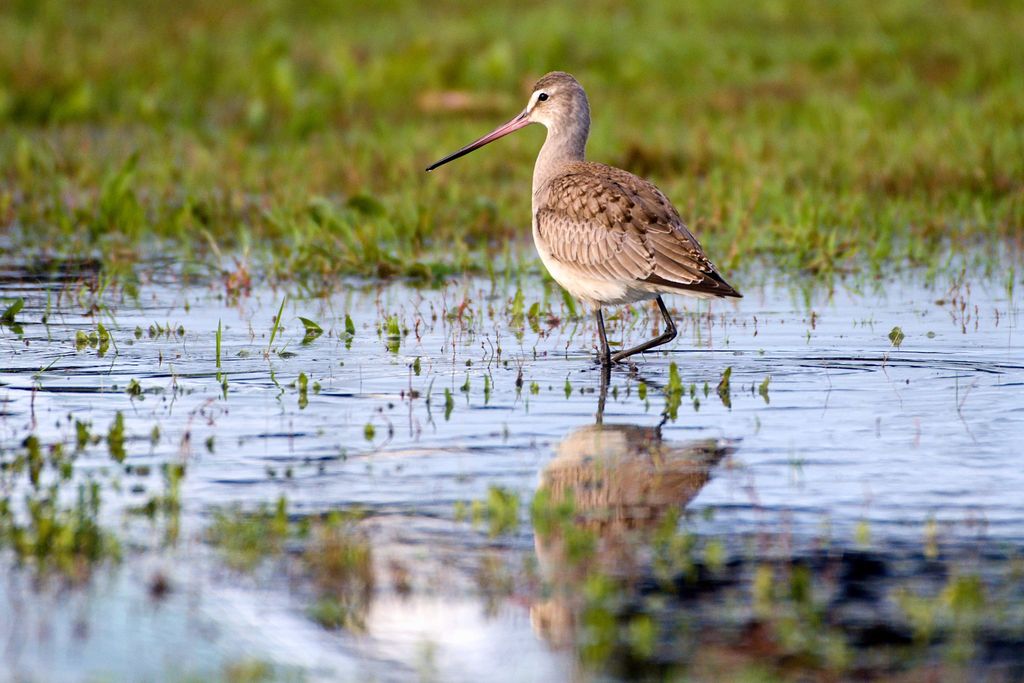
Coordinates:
[835,429]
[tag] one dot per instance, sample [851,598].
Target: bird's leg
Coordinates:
[606,374]
[668,335]
[605,353]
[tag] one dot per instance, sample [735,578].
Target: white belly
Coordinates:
[591,291]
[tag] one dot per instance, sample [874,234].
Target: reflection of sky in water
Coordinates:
[853,430]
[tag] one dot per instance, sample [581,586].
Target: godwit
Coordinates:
[607,236]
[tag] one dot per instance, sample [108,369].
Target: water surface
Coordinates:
[838,430]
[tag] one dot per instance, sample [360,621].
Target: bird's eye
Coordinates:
[542,97]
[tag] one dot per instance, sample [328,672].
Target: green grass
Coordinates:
[291,137]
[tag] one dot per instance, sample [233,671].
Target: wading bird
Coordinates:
[606,236]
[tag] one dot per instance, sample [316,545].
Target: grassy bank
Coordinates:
[823,137]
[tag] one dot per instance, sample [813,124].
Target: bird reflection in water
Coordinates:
[615,485]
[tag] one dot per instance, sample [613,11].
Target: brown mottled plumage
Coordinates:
[610,224]
[607,236]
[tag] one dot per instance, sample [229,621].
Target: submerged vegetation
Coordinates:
[291,138]
[52,524]
[345,453]
[366,456]
[328,551]
[637,592]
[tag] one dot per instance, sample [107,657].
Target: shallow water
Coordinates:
[832,435]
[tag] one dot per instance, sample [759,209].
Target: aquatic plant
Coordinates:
[50,533]
[335,559]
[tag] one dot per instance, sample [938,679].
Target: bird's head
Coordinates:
[557,101]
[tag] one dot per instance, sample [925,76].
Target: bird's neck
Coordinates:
[561,147]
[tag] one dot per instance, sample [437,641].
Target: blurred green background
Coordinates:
[821,136]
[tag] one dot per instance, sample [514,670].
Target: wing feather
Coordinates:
[606,223]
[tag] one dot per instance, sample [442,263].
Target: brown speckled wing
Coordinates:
[608,224]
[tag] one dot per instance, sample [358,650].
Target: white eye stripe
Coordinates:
[535,98]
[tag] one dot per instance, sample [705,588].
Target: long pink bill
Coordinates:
[512,126]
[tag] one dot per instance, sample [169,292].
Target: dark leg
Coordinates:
[606,374]
[605,353]
[668,335]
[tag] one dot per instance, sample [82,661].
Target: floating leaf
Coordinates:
[762,390]
[394,334]
[533,315]
[303,385]
[723,387]
[310,325]
[7,317]
[115,438]
[313,330]
[675,382]
[104,339]
[673,391]
[896,336]
[518,309]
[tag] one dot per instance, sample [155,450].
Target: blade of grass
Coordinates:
[277,323]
